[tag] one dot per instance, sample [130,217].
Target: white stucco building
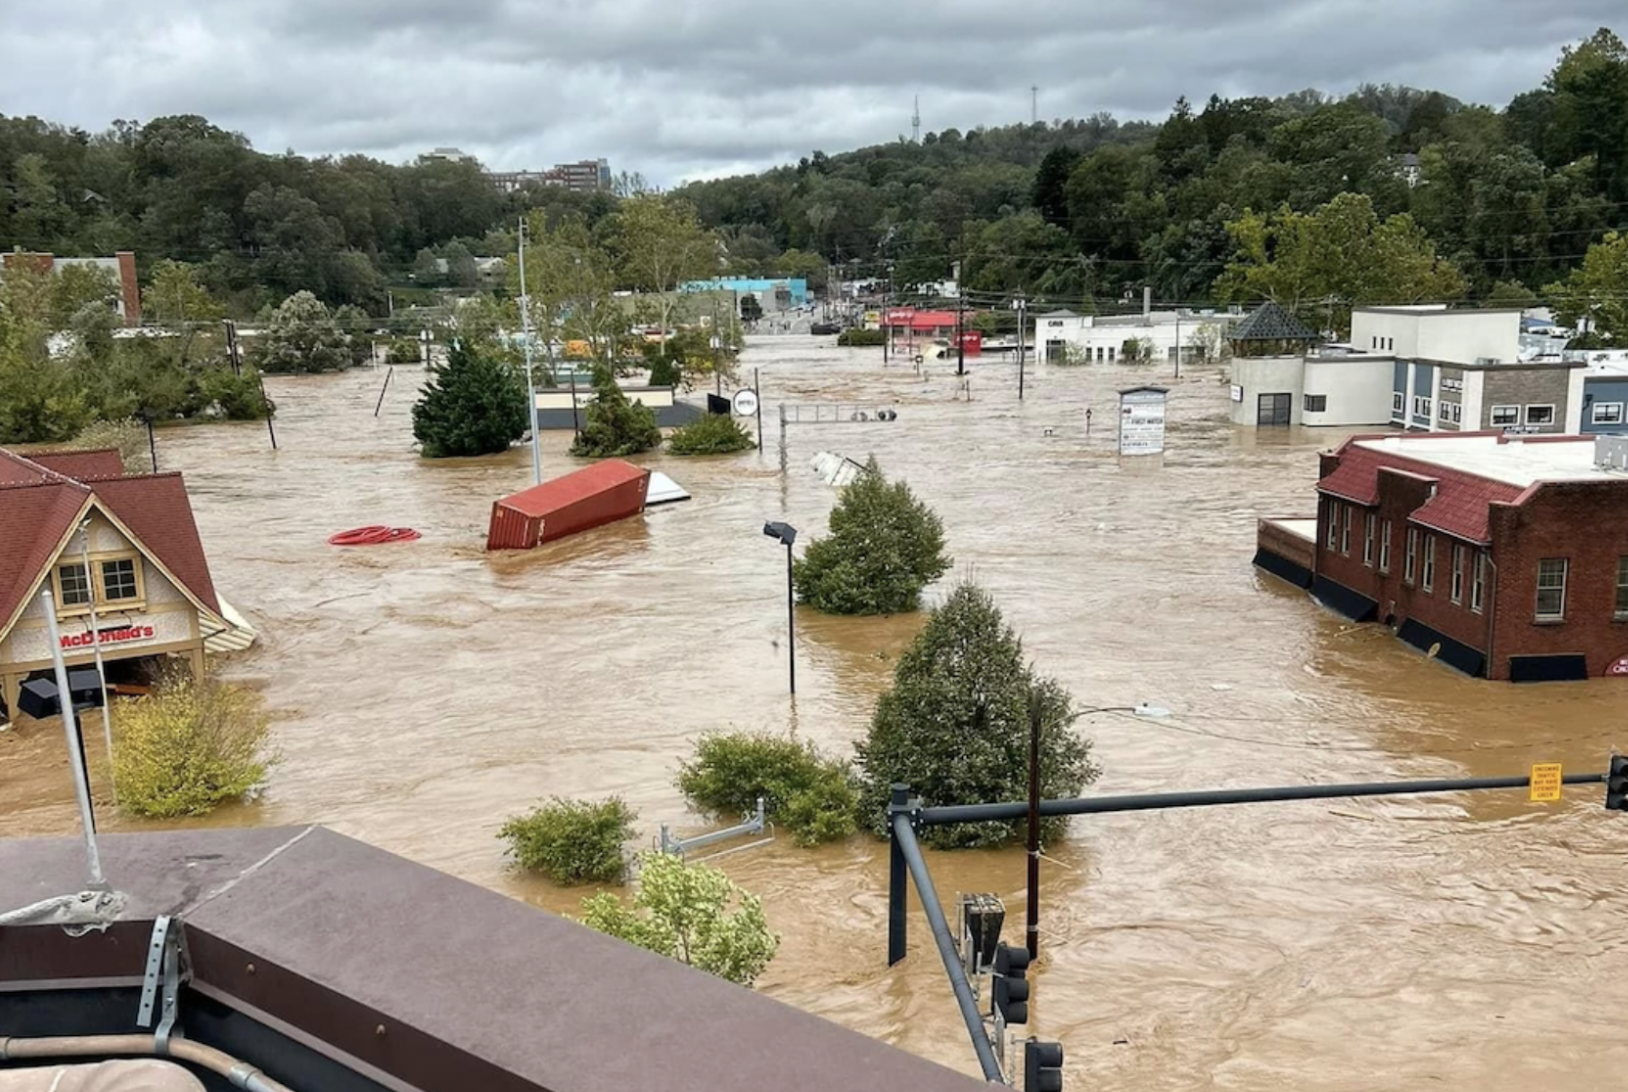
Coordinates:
[1104,338]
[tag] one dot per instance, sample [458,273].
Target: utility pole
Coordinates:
[915,122]
[531,387]
[960,311]
[1022,304]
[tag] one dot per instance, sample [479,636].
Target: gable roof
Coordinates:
[40,507]
[1269,322]
[1459,507]
[101,463]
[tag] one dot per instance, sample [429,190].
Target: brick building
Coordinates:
[122,549]
[1505,556]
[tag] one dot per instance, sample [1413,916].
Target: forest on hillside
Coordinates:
[1386,195]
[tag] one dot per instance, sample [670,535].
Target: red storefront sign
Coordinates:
[122,635]
[1618,668]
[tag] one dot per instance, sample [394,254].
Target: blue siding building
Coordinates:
[773,293]
[1605,399]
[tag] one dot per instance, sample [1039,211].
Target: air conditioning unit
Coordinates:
[1611,453]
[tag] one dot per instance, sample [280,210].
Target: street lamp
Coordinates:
[1142,709]
[787,534]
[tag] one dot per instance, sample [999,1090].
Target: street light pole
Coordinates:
[787,534]
[1022,304]
[531,387]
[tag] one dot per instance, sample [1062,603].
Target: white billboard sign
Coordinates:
[1141,421]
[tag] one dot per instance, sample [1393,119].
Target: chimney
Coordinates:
[129,290]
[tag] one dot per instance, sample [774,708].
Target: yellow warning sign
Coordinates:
[1546,781]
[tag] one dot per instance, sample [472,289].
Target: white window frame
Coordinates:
[1558,615]
[1398,403]
[1332,539]
[1549,406]
[1455,588]
[1385,546]
[1368,539]
[1427,576]
[1458,412]
[1511,416]
[98,585]
[1621,611]
[1410,557]
[1345,530]
[1478,581]
[1442,411]
[1613,418]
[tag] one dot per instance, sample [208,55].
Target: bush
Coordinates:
[303,337]
[955,726]
[614,426]
[403,350]
[812,796]
[885,546]
[682,911]
[572,841]
[858,336]
[472,404]
[188,747]
[713,434]
[240,397]
[129,436]
[665,372]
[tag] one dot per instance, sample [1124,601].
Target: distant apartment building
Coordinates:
[1426,369]
[121,267]
[1504,556]
[584,176]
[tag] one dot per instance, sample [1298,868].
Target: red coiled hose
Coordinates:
[372,536]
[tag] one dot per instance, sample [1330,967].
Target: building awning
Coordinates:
[238,638]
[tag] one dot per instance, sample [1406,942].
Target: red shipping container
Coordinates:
[591,497]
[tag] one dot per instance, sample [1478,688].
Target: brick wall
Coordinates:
[1586,523]
[1525,387]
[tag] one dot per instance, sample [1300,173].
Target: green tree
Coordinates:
[660,246]
[1590,87]
[472,404]
[1339,255]
[175,297]
[885,546]
[303,337]
[691,913]
[40,398]
[614,426]
[188,747]
[955,725]
[1598,292]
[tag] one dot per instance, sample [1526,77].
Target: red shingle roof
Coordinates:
[1459,507]
[82,465]
[39,505]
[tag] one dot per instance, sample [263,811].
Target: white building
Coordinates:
[1107,338]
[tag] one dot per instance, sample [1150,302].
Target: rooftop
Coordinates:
[1501,458]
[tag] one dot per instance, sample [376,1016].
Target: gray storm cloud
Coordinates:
[706,87]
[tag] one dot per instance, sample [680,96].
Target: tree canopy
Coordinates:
[473,404]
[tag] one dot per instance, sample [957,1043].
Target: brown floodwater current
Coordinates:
[425,691]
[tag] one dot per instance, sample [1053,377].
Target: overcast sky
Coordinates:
[678,89]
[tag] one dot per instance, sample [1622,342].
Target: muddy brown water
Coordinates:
[425,691]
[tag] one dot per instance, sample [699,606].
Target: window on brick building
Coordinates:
[1368,540]
[1333,540]
[1428,578]
[1540,415]
[1622,587]
[1385,546]
[1478,581]
[1551,604]
[1316,403]
[1505,415]
[1456,589]
[1410,559]
[1345,529]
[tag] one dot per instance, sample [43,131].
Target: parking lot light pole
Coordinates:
[787,534]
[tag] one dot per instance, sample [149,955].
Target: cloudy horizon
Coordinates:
[716,88]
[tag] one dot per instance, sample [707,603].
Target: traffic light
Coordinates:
[1009,990]
[1616,784]
[1042,1066]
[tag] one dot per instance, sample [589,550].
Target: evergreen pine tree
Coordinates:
[473,404]
[614,426]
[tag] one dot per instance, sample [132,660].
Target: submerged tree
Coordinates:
[303,337]
[474,404]
[955,726]
[614,426]
[885,546]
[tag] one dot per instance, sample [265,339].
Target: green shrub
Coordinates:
[713,434]
[665,372]
[614,426]
[188,747]
[472,404]
[858,336]
[240,397]
[128,435]
[885,546]
[403,350]
[812,796]
[683,911]
[955,726]
[572,841]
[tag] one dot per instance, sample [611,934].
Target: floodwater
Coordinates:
[425,691]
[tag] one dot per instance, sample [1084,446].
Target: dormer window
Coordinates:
[118,585]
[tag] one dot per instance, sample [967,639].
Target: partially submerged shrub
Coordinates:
[129,436]
[188,747]
[812,796]
[712,434]
[572,841]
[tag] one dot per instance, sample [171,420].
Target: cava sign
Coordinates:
[1141,420]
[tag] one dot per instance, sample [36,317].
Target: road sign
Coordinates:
[1546,781]
[745,401]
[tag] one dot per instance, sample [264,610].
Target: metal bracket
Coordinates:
[168,968]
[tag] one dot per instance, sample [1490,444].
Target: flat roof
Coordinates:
[1517,461]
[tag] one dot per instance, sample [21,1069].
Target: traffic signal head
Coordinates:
[1009,990]
[1042,1066]
[1616,784]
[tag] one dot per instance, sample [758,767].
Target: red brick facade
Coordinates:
[1581,522]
